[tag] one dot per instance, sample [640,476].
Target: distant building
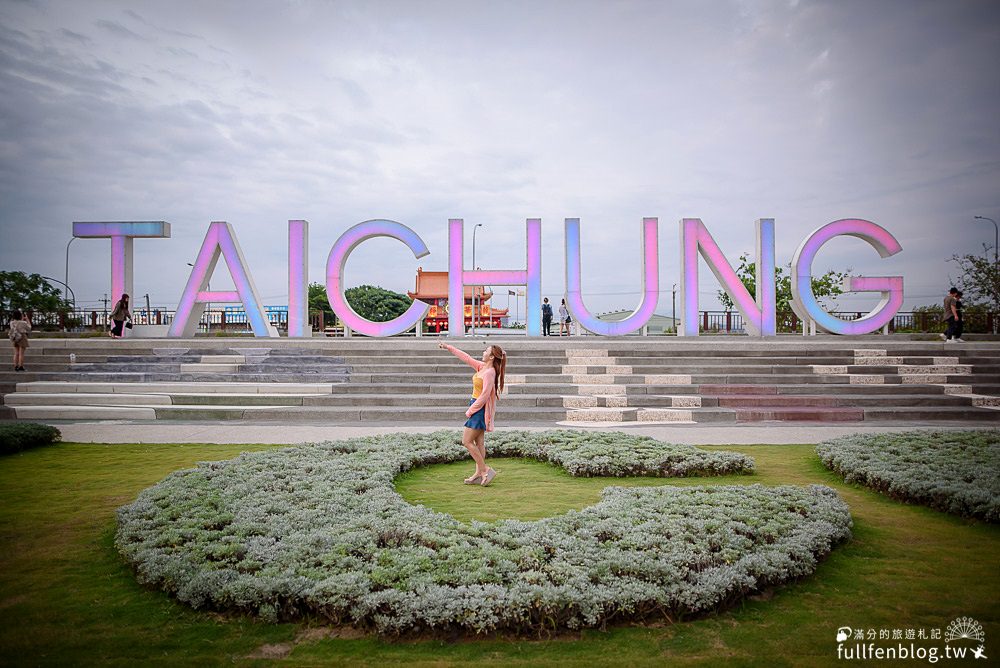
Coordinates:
[432,288]
[658,324]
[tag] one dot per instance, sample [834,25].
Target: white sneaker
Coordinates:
[960,340]
[949,341]
[943,337]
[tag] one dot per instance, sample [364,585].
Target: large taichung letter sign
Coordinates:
[650,282]
[350,240]
[758,312]
[121,234]
[696,242]
[804,302]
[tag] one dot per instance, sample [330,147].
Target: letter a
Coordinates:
[219,240]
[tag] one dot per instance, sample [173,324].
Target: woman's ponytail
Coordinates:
[500,366]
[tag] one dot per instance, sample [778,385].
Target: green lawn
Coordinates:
[66,598]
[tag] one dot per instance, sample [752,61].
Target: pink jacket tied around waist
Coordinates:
[488,397]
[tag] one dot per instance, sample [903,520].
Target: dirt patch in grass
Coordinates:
[312,634]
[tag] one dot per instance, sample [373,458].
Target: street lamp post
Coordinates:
[474,230]
[996,237]
[66,282]
[673,307]
[996,258]
[65,288]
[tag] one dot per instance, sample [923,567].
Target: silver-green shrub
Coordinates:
[954,471]
[319,530]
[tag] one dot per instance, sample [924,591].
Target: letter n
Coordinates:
[758,314]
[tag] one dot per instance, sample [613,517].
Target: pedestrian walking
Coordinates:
[487,384]
[546,317]
[20,327]
[959,319]
[950,316]
[119,315]
[564,318]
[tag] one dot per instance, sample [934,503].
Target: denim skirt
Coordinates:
[478,419]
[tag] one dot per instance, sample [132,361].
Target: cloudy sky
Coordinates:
[338,112]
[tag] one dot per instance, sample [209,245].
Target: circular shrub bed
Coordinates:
[319,530]
[954,471]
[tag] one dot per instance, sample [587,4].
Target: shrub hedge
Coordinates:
[319,530]
[954,471]
[18,436]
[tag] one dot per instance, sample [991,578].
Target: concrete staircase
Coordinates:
[584,380]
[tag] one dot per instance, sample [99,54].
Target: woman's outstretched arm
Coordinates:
[465,357]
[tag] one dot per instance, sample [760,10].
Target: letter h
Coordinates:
[458,278]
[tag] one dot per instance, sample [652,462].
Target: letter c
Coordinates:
[335,263]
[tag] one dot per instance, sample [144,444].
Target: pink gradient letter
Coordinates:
[804,302]
[650,282]
[458,278]
[219,240]
[298,276]
[121,235]
[758,314]
[335,263]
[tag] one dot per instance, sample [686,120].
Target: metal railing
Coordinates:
[224,321]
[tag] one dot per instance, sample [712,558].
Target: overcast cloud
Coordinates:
[258,112]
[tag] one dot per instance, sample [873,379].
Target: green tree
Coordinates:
[377,304]
[828,286]
[29,292]
[318,301]
[980,278]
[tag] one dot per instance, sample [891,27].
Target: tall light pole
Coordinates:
[996,254]
[673,307]
[474,230]
[66,287]
[996,237]
[66,282]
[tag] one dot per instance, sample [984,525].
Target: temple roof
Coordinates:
[434,285]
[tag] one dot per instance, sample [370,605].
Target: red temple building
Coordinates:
[432,288]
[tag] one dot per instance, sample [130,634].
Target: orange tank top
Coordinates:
[477,386]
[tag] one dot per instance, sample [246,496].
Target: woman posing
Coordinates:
[487,384]
[20,327]
[119,315]
[564,319]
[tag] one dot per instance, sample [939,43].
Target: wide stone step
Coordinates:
[598,415]
[281,367]
[413,414]
[203,367]
[411,387]
[789,400]
[84,412]
[428,400]
[651,401]
[83,399]
[126,377]
[220,399]
[175,388]
[863,389]
[799,414]
[933,413]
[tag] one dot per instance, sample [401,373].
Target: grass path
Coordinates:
[66,598]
